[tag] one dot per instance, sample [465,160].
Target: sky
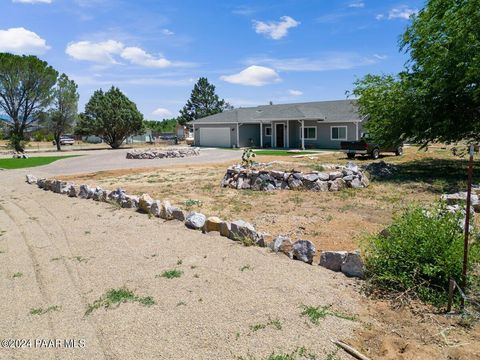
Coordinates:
[254,52]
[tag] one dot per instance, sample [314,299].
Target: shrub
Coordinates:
[418,254]
[38,136]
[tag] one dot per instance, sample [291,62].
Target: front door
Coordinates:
[280,135]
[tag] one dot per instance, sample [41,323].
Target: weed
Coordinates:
[274,323]
[181,303]
[193,267]
[41,311]
[17,274]
[117,297]
[179,262]
[321,312]
[196,276]
[56,258]
[87,232]
[80,259]
[171,274]
[317,167]
[245,267]
[191,203]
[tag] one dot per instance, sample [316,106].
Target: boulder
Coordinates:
[155,208]
[31,179]
[311,177]
[166,210]
[335,175]
[282,244]
[332,260]
[356,183]
[365,181]
[321,186]
[460,198]
[85,192]
[352,265]
[41,183]
[294,183]
[213,224]
[144,203]
[177,214]
[99,194]
[323,176]
[130,202]
[72,191]
[241,229]
[341,184]
[332,186]
[303,250]
[351,167]
[117,195]
[225,228]
[195,221]
[348,178]
[48,185]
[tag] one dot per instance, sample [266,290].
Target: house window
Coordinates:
[268,131]
[338,133]
[310,133]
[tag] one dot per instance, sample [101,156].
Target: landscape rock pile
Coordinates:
[381,169]
[349,176]
[164,153]
[242,231]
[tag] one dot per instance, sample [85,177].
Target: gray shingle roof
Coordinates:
[331,111]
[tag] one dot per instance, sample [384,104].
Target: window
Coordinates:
[268,131]
[309,133]
[338,133]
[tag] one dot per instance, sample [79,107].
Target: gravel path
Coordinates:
[71,251]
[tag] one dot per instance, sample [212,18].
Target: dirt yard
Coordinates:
[196,296]
[333,221]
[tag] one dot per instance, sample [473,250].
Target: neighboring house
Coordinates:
[322,124]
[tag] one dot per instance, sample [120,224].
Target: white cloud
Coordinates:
[22,41]
[33,1]
[253,76]
[162,112]
[104,53]
[138,56]
[275,30]
[167,32]
[357,4]
[326,62]
[295,92]
[101,52]
[401,12]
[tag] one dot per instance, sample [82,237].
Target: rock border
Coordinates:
[164,153]
[242,178]
[239,230]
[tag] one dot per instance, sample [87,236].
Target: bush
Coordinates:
[38,136]
[16,142]
[418,254]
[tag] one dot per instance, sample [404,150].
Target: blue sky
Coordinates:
[253,51]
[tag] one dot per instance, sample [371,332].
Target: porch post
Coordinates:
[261,135]
[288,140]
[238,135]
[303,135]
[194,143]
[356,130]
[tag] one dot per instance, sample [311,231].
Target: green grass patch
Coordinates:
[17,275]
[10,164]
[283,152]
[171,274]
[273,323]
[41,311]
[115,297]
[315,314]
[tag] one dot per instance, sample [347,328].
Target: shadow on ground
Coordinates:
[435,175]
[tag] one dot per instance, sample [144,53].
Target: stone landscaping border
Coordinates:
[349,263]
[164,153]
[349,176]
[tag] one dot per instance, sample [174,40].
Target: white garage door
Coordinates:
[218,137]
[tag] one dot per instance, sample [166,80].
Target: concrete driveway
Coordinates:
[102,160]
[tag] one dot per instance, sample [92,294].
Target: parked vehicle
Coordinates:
[65,140]
[367,147]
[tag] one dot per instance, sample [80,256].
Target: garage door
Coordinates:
[218,137]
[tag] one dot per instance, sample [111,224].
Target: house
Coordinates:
[322,124]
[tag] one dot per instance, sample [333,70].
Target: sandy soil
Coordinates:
[71,251]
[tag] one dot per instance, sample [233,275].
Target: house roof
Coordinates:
[331,111]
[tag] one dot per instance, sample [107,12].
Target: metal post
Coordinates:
[467,225]
[261,135]
[451,289]
[303,135]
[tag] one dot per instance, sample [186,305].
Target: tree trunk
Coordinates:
[57,142]
[115,144]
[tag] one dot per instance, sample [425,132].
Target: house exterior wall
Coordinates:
[250,135]
[233,132]
[323,139]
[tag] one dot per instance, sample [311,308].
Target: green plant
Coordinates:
[17,274]
[192,202]
[171,274]
[418,254]
[245,267]
[247,157]
[41,311]
[117,297]
[321,312]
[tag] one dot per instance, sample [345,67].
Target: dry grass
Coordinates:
[333,221]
